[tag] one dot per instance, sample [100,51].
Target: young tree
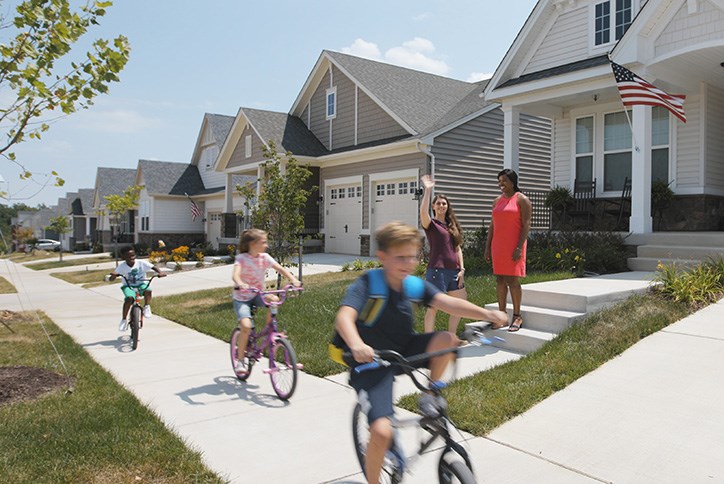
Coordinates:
[117,207]
[60,225]
[38,76]
[280,206]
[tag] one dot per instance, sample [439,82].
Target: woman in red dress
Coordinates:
[507,241]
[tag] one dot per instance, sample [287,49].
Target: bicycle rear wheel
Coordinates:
[135,325]
[283,366]
[455,472]
[391,472]
[242,375]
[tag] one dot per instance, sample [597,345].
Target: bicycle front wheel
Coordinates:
[135,325]
[242,372]
[391,472]
[455,472]
[283,368]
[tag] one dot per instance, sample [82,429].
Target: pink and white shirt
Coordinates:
[253,273]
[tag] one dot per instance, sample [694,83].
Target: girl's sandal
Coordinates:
[516,324]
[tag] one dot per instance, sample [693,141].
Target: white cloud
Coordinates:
[362,48]
[422,16]
[478,76]
[415,54]
[116,121]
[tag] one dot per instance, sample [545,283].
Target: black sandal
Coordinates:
[516,324]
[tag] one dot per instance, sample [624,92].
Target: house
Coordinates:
[558,67]
[212,199]
[369,130]
[112,181]
[83,219]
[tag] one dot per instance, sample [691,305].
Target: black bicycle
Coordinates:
[454,464]
[135,316]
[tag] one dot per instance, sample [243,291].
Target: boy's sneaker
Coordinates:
[123,325]
[431,405]
[147,312]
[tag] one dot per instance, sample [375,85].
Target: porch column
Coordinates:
[511,137]
[228,194]
[640,221]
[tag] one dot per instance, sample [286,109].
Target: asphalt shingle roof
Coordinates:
[220,125]
[170,178]
[288,132]
[420,99]
[86,200]
[113,181]
[558,70]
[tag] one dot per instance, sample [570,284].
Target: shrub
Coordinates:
[180,254]
[231,250]
[474,250]
[141,249]
[571,260]
[696,287]
[604,252]
[158,256]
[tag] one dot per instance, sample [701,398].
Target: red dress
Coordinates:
[507,225]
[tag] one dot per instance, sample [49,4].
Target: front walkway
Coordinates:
[651,415]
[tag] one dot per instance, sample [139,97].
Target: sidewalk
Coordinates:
[650,415]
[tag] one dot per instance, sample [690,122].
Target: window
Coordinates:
[350,192]
[616,150]
[333,194]
[332,103]
[145,223]
[341,193]
[413,187]
[602,20]
[660,144]
[402,188]
[390,188]
[380,189]
[584,149]
[359,191]
[247,146]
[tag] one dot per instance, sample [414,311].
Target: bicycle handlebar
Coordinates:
[282,293]
[149,280]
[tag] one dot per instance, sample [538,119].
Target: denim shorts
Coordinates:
[444,279]
[245,309]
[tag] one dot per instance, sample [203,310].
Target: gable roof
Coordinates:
[113,181]
[219,125]
[417,100]
[170,178]
[288,132]
[85,195]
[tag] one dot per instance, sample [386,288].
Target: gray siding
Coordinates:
[714,170]
[687,30]
[374,123]
[561,171]
[469,157]
[343,124]
[319,124]
[238,156]
[565,42]
[402,162]
[688,153]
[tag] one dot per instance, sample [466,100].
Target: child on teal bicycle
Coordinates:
[365,324]
[134,270]
[249,274]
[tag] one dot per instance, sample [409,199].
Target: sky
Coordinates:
[193,57]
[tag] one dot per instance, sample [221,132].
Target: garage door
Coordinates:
[343,218]
[393,200]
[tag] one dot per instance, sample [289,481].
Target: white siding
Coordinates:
[561,169]
[565,42]
[207,158]
[686,29]
[175,216]
[688,151]
[217,204]
[714,169]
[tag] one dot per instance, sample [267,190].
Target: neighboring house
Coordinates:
[164,208]
[112,181]
[220,212]
[369,130]
[63,209]
[83,219]
[558,67]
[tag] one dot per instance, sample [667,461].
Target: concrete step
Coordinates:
[522,341]
[651,263]
[702,253]
[694,239]
[544,319]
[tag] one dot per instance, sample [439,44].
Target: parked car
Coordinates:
[47,244]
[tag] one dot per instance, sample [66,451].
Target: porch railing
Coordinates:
[541,215]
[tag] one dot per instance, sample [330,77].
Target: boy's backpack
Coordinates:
[413,288]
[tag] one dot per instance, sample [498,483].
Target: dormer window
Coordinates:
[609,26]
[332,103]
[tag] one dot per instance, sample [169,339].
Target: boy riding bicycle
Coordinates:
[392,329]
[135,273]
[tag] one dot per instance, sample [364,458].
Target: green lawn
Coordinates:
[54,264]
[87,278]
[98,433]
[308,319]
[6,286]
[21,257]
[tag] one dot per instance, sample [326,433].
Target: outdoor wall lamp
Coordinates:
[417,193]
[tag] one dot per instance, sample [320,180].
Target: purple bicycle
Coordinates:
[283,365]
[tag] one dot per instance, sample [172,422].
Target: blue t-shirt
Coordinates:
[394,327]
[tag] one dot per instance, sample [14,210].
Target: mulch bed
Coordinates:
[23,383]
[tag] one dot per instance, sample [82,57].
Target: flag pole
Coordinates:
[625,110]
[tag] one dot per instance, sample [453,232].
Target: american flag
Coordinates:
[635,90]
[195,212]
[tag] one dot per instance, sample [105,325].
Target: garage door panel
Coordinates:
[394,200]
[343,220]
